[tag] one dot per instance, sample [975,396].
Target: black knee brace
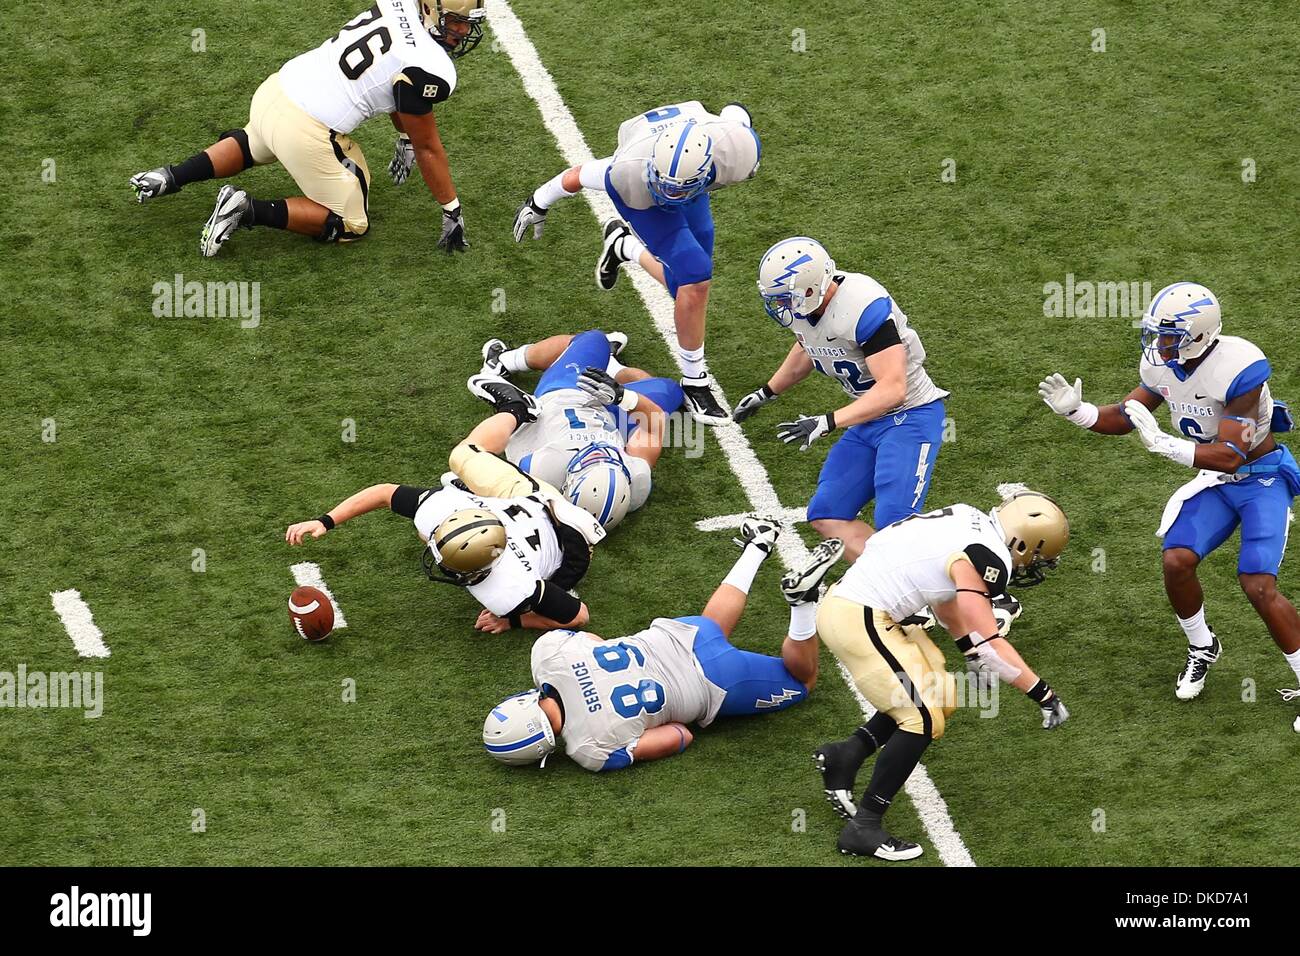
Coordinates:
[240,137]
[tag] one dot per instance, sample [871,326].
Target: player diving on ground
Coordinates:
[593,427]
[955,560]
[515,543]
[1216,387]
[611,703]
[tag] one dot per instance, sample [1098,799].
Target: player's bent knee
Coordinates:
[338,229]
[1259,588]
[1179,562]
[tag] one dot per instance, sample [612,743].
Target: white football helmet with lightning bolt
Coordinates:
[793,277]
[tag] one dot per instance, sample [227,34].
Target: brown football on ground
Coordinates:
[311,613]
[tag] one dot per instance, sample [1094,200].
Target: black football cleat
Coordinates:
[611,257]
[504,396]
[802,585]
[859,840]
[701,401]
[838,777]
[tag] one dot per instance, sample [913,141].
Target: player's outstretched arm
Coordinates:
[531,213]
[1067,401]
[435,167]
[368,499]
[666,740]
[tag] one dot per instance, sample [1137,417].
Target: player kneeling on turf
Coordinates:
[513,542]
[956,560]
[394,58]
[619,701]
[592,428]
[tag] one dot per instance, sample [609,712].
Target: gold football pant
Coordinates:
[897,668]
[327,166]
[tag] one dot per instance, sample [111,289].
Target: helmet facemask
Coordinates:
[457,25]
[464,548]
[1036,531]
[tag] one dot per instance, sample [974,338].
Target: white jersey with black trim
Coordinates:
[856,312]
[532,550]
[736,150]
[1232,367]
[613,691]
[351,77]
[904,566]
[568,421]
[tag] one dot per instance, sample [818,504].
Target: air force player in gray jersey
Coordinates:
[847,326]
[616,702]
[668,162]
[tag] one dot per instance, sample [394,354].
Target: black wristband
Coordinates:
[830,422]
[767,393]
[515,620]
[327,521]
[1039,692]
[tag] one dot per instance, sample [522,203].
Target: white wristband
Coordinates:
[1179,450]
[1085,416]
[629,400]
[451,206]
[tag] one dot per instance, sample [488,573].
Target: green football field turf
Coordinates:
[176,434]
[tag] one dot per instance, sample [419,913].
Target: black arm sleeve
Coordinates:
[551,602]
[990,567]
[406,499]
[419,94]
[882,338]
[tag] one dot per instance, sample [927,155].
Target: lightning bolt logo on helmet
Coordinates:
[1182,322]
[793,277]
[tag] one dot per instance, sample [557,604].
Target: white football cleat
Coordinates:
[803,584]
[227,215]
[1192,678]
[759,530]
[492,350]
[617,343]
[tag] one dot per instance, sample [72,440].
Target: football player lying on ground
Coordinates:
[659,179]
[595,429]
[1218,395]
[383,61]
[631,699]
[513,542]
[955,560]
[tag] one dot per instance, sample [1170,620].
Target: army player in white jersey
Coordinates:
[593,427]
[659,179]
[848,327]
[394,58]
[956,561]
[630,699]
[1217,390]
[510,540]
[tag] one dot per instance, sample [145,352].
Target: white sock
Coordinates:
[741,575]
[692,362]
[1198,634]
[1294,660]
[614,366]
[803,621]
[551,192]
[631,248]
[515,360]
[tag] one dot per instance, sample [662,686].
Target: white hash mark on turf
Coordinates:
[749,471]
[79,623]
[307,574]
[789,516]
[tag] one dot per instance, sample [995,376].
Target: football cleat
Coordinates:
[837,778]
[502,395]
[617,343]
[1005,610]
[1192,678]
[759,530]
[703,404]
[611,256]
[803,585]
[492,365]
[923,618]
[227,215]
[858,840]
[154,183]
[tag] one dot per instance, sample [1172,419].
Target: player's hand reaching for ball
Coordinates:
[489,622]
[297,532]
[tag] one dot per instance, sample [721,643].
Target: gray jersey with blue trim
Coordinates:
[859,308]
[613,691]
[1231,368]
[569,420]
[736,150]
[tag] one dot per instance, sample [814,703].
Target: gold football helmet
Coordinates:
[456,24]
[1036,532]
[465,546]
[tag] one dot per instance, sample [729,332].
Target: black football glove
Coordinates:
[453,232]
[806,429]
[601,386]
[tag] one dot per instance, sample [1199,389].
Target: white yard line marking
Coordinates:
[749,471]
[77,620]
[307,574]
[790,516]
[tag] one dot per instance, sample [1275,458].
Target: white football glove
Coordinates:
[529,214]
[1148,430]
[752,403]
[1060,396]
[403,160]
[1054,712]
